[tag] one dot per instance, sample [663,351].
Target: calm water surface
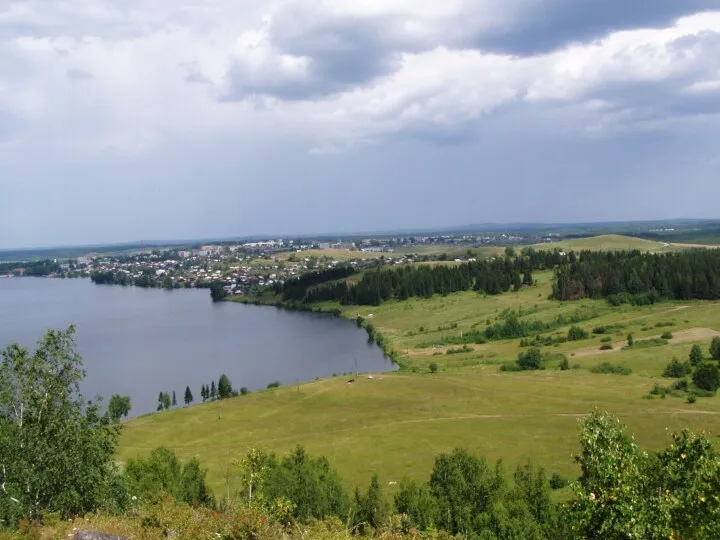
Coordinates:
[138,342]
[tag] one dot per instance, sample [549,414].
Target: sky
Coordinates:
[126,120]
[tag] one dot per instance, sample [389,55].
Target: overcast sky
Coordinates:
[126,120]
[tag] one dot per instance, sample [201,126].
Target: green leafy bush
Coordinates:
[558,482]
[707,377]
[676,369]
[666,335]
[531,359]
[576,334]
[607,367]
[606,347]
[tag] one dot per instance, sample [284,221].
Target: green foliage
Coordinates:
[564,364]
[467,497]
[370,510]
[530,360]
[275,384]
[56,449]
[707,377]
[715,348]
[606,347]
[626,493]
[691,398]
[244,391]
[118,406]
[558,482]
[188,396]
[667,335]
[217,291]
[164,401]
[577,334]
[162,473]
[630,340]
[607,367]
[677,369]
[224,388]
[433,367]
[696,355]
[313,489]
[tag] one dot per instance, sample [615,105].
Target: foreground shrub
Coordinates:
[625,492]
[162,473]
[56,449]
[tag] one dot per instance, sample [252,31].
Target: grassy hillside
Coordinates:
[606,242]
[394,424]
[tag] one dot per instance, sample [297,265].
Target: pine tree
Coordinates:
[174,401]
[213,391]
[188,396]
[715,348]
[696,355]
[160,401]
[224,388]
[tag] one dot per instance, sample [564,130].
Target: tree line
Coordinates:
[31,268]
[378,285]
[639,278]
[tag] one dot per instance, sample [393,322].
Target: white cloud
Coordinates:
[333,72]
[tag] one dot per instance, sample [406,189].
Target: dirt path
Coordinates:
[681,336]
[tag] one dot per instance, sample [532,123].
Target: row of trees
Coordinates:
[639,278]
[376,286]
[210,392]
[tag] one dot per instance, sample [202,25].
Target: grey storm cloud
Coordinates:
[345,51]
[546,25]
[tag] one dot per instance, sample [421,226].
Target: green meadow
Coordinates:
[395,423]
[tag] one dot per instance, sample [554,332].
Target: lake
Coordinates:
[139,342]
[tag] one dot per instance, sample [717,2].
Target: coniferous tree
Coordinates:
[174,401]
[213,390]
[696,355]
[715,348]
[224,388]
[188,396]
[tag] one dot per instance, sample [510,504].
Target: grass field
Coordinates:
[607,242]
[394,424]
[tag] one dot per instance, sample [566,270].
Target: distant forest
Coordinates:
[621,277]
[376,286]
[639,278]
[31,268]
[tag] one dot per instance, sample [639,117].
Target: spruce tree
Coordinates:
[213,391]
[188,396]
[696,355]
[224,387]
[715,348]
[174,401]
